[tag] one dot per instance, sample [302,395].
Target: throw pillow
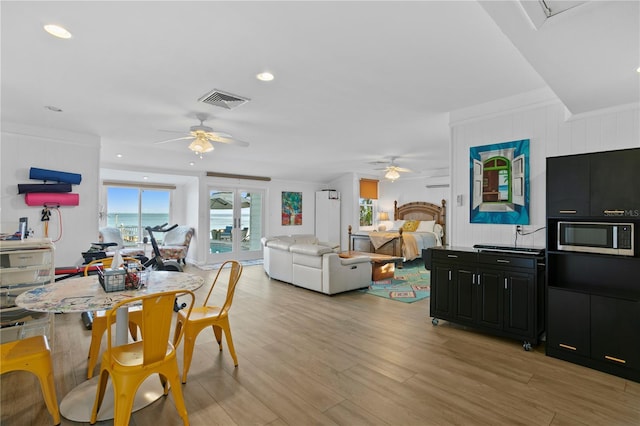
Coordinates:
[410,225]
[426,226]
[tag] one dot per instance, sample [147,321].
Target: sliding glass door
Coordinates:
[235,224]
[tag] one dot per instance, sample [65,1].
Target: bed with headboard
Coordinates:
[416,226]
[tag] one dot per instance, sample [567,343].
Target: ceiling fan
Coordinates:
[203,136]
[392,170]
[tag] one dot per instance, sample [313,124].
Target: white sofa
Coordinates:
[304,261]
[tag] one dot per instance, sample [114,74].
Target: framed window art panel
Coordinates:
[499,183]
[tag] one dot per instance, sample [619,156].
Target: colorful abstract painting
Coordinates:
[291,208]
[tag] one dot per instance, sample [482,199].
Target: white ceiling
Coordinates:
[355,82]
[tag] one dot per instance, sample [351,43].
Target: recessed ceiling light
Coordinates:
[53,108]
[191,163]
[57,31]
[119,155]
[145,177]
[265,76]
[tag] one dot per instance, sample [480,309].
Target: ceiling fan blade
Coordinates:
[402,169]
[172,131]
[229,141]
[173,140]
[218,134]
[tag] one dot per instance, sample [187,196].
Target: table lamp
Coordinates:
[382,217]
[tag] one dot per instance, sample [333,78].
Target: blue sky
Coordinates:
[125,200]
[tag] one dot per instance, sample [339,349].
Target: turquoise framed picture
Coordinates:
[499,183]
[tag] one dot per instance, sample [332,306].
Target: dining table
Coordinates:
[84,294]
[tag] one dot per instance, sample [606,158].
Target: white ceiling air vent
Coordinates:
[541,10]
[222,99]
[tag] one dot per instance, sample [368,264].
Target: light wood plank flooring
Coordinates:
[350,359]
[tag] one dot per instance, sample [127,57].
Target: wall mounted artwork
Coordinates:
[499,183]
[291,208]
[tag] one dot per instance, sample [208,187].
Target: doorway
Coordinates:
[235,224]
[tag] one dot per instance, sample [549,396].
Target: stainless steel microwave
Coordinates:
[597,237]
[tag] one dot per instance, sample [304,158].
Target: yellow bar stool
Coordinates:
[33,354]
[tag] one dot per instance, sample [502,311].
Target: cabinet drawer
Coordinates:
[454,256]
[26,275]
[507,261]
[22,258]
[614,331]
[568,321]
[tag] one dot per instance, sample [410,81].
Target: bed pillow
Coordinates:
[410,225]
[397,225]
[426,226]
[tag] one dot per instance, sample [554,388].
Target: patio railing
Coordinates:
[131,235]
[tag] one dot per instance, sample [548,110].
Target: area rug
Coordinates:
[215,266]
[410,284]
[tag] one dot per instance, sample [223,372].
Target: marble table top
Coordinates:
[86,294]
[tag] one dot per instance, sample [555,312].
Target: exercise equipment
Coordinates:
[46,198]
[25,188]
[157,263]
[54,176]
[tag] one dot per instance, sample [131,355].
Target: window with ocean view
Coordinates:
[132,209]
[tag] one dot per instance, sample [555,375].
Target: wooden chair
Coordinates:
[99,325]
[205,316]
[33,354]
[130,364]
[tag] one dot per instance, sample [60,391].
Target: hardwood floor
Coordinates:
[350,359]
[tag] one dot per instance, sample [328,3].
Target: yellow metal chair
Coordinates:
[130,364]
[99,325]
[205,316]
[33,354]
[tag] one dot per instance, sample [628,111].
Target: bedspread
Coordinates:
[410,247]
[412,242]
[378,239]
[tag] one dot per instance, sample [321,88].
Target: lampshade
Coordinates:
[392,175]
[200,146]
[383,216]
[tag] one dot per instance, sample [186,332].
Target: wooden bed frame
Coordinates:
[417,210]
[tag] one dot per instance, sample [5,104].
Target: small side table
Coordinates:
[383,267]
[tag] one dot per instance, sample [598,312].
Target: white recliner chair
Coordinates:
[321,269]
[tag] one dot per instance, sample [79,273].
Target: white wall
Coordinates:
[23,147]
[348,186]
[408,189]
[185,208]
[274,207]
[551,133]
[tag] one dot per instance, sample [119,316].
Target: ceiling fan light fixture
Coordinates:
[200,145]
[392,175]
